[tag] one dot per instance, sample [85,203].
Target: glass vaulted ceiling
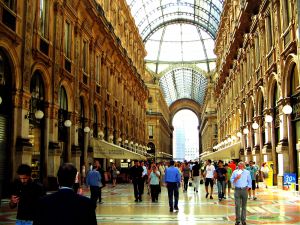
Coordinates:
[178,33]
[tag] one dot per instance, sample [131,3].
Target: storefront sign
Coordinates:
[289,181]
[110,151]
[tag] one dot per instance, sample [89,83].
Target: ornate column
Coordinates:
[23,146]
[256,148]
[282,149]
[267,148]
[248,150]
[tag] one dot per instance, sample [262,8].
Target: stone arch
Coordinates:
[39,67]
[184,104]
[70,97]
[243,114]
[273,80]
[260,96]
[98,107]
[291,62]
[85,99]
[14,60]
[250,109]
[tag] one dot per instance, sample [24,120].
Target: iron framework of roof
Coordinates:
[154,17]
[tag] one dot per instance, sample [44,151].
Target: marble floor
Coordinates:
[272,206]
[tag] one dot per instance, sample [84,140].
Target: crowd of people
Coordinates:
[35,207]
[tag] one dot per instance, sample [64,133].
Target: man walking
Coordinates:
[242,181]
[93,180]
[209,178]
[221,176]
[136,175]
[25,196]
[101,171]
[196,176]
[172,180]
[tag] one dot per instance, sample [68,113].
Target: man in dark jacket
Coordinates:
[65,207]
[101,171]
[25,194]
[136,176]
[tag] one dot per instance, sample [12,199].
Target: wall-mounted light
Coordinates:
[136,144]
[100,134]
[245,131]
[239,134]
[86,130]
[255,125]
[68,123]
[39,114]
[119,139]
[122,160]
[126,141]
[287,109]
[131,143]
[268,118]
[128,160]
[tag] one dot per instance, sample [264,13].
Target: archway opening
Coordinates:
[185,136]
[6,109]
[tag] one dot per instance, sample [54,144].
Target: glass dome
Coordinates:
[178,32]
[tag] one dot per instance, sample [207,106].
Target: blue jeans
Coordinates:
[24,222]
[221,188]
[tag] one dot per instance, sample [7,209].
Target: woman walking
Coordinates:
[153,180]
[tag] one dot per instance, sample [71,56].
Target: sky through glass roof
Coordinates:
[178,32]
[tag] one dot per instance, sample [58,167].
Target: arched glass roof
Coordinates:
[180,43]
[178,32]
[176,84]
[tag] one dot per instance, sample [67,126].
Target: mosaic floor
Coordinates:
[273,206]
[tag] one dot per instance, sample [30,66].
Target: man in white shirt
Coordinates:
[209,178]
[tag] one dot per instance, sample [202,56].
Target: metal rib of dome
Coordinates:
[151,14]
[176,84]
